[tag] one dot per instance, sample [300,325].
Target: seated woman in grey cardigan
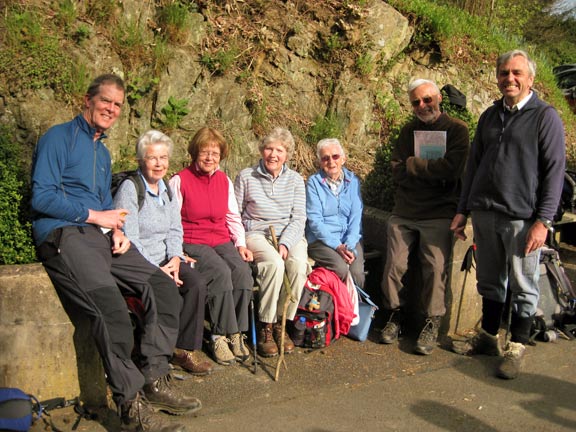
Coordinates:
[154,227]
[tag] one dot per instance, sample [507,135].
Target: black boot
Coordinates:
[138,416]
[162,396]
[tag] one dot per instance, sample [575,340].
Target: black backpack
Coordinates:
[556,313]
[568,197]
[132,175]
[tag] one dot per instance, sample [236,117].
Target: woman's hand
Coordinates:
[245,253]
[172,269]
[347,255]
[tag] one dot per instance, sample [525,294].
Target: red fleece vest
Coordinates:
[204,207]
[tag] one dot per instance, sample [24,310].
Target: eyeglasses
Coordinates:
[204,153]
[426,100]
[156,159]
[334,157]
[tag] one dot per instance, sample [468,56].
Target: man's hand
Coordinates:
[458,226]
[536,237]
[120,243]
[245,253]
[113,219]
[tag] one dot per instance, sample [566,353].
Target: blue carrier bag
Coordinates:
[17,410]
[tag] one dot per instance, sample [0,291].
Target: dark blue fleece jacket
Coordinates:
[517,170]
[70,174]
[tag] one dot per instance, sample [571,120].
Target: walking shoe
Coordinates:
[428,336]
[277,334]
[239,348]
[266,346]
[163,397]
[389,334]
[482,343]
[189,361]
[138,416]
[513,361]
[221,351]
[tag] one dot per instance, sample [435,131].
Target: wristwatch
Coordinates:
[547,223]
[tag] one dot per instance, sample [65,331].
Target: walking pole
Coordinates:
[253,323]
[289,297]
[467,264]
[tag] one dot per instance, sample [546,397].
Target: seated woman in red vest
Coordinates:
[214,236]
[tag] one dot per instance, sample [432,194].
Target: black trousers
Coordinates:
[193,292]
[92,283]
[230,283]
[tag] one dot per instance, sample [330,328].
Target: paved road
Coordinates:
[353,386]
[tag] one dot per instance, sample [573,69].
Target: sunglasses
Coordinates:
[426,100]
[334,157]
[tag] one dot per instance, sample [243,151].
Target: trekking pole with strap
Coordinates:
[467,264]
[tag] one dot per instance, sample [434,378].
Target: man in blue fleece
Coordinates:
[512,188]
[92,264]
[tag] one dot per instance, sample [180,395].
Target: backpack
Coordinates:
[313,322]
[132,175]
[18,410]
[568,196]
[556,311]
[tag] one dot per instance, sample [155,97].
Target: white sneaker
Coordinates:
[221,352]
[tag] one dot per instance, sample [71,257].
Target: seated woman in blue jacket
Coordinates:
[334,214]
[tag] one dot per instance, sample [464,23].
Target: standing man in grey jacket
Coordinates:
[512,188]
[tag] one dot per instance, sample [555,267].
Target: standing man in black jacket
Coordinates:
[512,188]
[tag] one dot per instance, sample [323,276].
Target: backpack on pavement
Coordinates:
[313,322]
[556,313]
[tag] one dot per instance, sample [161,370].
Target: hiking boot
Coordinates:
[163,397]
[428,336]
[513,361]
[189,361]
[389,334]
[239,348]
[482,343]
[138,416]
[221,351]
[277,334]
[266,346]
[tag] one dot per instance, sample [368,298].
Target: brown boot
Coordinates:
[288,344]
[138,416]
[189,361]
[164,397]
[266,346]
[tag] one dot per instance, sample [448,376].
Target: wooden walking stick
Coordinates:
[289,297]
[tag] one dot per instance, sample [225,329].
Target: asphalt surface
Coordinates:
[353,386]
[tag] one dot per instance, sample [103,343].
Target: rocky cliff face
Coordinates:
[293,63]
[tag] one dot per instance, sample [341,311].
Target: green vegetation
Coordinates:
[173,20]
[16,245]
[173,112]
[220,61]
[329,126]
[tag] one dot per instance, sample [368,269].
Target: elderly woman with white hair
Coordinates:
[272,194]
[334,213]
[154,227]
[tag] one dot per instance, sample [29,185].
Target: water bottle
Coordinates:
[319,335]
[299,331]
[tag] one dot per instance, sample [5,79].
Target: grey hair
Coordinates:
[325,142]
[507,56]
[152,137]
[281,135]
[414,84]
